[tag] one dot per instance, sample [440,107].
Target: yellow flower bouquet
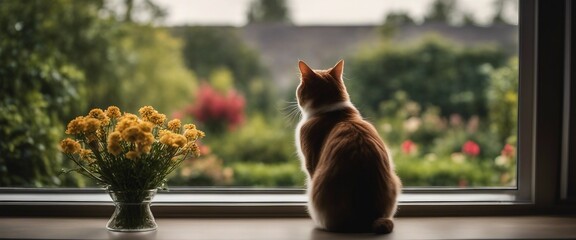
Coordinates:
[125,152]
[130,156]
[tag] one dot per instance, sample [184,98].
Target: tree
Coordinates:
[468,19]
[395,20]
[59,57]
[268,11]
[40,84]
[441,11]
[153,11]
[207,49]
[499,8]
[153,72]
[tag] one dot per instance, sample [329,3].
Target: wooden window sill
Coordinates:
[516,227]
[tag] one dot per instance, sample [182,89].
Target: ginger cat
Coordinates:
[352,185]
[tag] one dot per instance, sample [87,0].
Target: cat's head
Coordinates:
[321,88]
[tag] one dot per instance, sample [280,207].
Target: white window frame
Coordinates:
[528,197]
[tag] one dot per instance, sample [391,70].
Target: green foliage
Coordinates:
[444,171]
[268,175]
[208,170]
[207,49]
[153,72]
[41,84]
[434,72]
[429,149]
[29,154]
[58,57]
[214,53]
[260,153]
[502,95]
[260,140]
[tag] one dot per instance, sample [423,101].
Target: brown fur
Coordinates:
[352,185]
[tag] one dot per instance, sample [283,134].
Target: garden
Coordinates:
[447,111]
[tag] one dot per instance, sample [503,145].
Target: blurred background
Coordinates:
[438,78]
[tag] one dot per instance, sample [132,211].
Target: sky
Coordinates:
[313,12]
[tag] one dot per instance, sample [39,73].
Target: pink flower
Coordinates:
[508,151]
[471,148]
[408,147]
[212,107]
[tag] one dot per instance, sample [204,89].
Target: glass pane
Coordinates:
[438,79]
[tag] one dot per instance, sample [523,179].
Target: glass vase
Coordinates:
[132,211]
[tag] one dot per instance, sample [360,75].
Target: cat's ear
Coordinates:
[337,70]
[304,69]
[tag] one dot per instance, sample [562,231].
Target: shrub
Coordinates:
[268,175]
[260,140]
[433,72]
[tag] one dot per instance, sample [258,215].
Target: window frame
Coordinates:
[537,168]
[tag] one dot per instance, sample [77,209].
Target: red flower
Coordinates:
[212,107]
[508,150]
[471,148]
[408,147]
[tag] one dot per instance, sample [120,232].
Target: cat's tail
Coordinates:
[383,225]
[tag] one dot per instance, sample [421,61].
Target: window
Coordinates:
[286,201]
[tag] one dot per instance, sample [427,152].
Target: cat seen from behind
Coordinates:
[351,182]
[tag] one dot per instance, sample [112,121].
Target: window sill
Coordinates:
[518,227]
[254,203]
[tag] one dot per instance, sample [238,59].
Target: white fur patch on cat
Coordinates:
[308,111]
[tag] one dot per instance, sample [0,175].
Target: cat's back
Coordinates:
[354,182]
[354,145]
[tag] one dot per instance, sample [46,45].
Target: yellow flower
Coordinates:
[131,134]
[91,125]
[76,126]
[157,118]
[126,122]
[166,138]
[70,146]
[146,139]
[114,146]
[103,140]
[86,155]
[114,137]
[193,148]
[145,142]
[132,155]
[113,112]
[179,140]
[149,114]
[173,140]
[145,127]
[97,113]
[146,112]
[162,133]
[193,134]
[174,125]
[130,116]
